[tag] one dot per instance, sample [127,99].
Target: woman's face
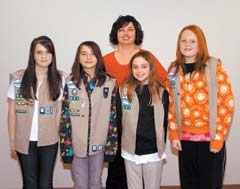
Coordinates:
[189,46]
[127,34]
[141,69]
[42,57]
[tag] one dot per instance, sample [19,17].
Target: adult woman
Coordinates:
[34,99]
[127,36]
[200,111]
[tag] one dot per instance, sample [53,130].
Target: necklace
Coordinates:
[187,77]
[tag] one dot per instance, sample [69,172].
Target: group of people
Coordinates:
[118,108]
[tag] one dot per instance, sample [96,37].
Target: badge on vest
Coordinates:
[172,79]
[71,85]
[74,96]
[105,92]
[21,111]
[74,112]
[46,110]
[17,83]
[96,148]
[126,105]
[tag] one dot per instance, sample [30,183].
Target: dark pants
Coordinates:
[37,166]
[199,168]
[116,178]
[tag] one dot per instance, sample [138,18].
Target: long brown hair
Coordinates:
[78,71]
[29,80]
[153,84]
[202,55]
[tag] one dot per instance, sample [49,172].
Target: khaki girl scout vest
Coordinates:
[130,119]
[48,121]
[210,73]
[79,115]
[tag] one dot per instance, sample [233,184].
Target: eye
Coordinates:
[83,54]
[120,30]
[130,29]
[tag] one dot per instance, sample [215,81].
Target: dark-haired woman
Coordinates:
[126,36]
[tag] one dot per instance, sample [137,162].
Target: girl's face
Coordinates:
[141,69]
[189,46]
[127,34]
[42,56]
[87,58]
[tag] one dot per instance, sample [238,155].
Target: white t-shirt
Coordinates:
[34,127]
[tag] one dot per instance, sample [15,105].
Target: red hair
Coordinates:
[202,55]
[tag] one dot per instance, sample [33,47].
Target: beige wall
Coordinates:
[70,22]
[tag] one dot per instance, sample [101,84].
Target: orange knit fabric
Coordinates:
[195,107]
[120,72]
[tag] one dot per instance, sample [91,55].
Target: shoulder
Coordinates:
[68,79]
[111,79]
[213,60]
[108,56]
[62,73]
[17,74]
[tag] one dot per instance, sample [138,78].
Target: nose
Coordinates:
[89,56]
[44,54]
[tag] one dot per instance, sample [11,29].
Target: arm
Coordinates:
[66,150]
[165,106]
[112,142]
[225,109]
[12,126]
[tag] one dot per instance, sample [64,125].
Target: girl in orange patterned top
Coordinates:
[200,111]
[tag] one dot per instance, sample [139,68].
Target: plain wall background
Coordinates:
[68,23]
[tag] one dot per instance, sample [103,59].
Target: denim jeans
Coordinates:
[37,166]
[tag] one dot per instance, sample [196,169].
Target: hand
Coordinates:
[13,153]
[176,144]
[213,150]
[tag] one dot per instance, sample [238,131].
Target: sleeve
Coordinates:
[65,132]
[225,108]
[112,137]
[161,71]
[165,106]
[11,90]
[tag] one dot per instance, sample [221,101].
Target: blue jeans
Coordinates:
[37,166]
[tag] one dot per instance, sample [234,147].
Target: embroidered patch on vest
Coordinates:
[17,83]
[105,92]
[21,111]
[126,105]
[46,110]
[74,112]
[99,147]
